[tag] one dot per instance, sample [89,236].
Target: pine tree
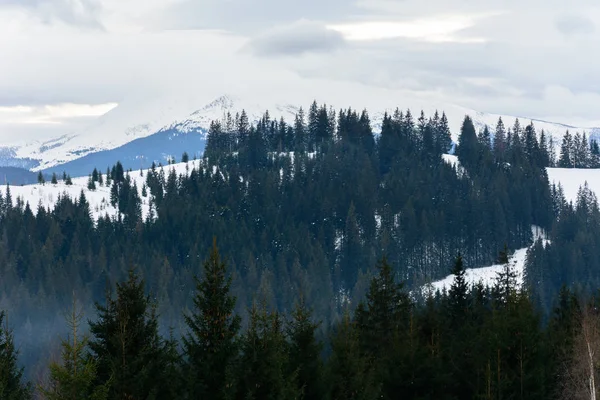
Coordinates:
[385,312]
[211,346]
[305,353]
[500,140]
[40,178]
[64,176]
[68,181]
[566,157]
[12,385]
[185,157]
[457,295]
[74,377]
[126,344]
[349,371]
[263,367]
[468,144]
[91,183]
[54,180]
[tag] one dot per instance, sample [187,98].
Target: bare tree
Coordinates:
[581,373]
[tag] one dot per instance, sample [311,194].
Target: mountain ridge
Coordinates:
[135,121]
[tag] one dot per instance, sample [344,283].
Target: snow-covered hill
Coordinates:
[99,199]
[181,113]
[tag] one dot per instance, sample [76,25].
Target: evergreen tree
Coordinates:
[211,346]
[74,377]
[91,183]
[68,181]
[40,178]
[126,344]
[54,180]
[468,145]
[566,156]
[348,370]
[12,385]
[500,140]
[263,372]
[305,353]
[185,157]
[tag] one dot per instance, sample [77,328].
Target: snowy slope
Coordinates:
[98,199]
[192,110]
[571,179]
[488,275]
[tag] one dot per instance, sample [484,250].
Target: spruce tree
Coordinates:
[305,353]
[12,385]
[211,345]
[40,178]
[54,180]
[68,181]
[263,371]
[126,343]
[349,370]
[74,377]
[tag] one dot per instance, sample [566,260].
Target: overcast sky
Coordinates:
[65,61]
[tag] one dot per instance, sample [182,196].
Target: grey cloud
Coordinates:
[245,16]
[299,38]
[574,24]
[83,13]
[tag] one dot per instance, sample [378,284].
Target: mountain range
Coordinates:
[140,131]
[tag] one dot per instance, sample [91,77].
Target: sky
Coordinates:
[65,62]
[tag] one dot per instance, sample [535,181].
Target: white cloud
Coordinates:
[534,58]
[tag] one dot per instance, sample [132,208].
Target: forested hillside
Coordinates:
[300,209]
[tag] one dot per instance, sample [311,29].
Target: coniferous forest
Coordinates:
[325,234]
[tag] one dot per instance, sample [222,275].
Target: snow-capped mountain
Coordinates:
[145,129]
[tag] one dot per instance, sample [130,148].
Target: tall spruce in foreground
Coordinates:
[305,353]
[12,386]
[127,345]
[73,378]
[211,346]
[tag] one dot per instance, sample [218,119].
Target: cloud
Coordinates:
[249,16]
[298,38]
[84,13]
[574,24]
[533,58]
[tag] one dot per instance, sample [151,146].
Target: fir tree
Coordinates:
[12,385]
[211,346]
[305,353]
[54,180]
[125,341]
[74,377]
[68,181]
[40,178]
[91,183]
[263,368]
[349,371]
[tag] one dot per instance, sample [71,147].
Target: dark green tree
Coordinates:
[305,353]
[126,344]
[211,346]
[12,384]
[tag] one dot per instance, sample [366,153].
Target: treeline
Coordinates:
[576,151]
[467,343]
[572,254]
